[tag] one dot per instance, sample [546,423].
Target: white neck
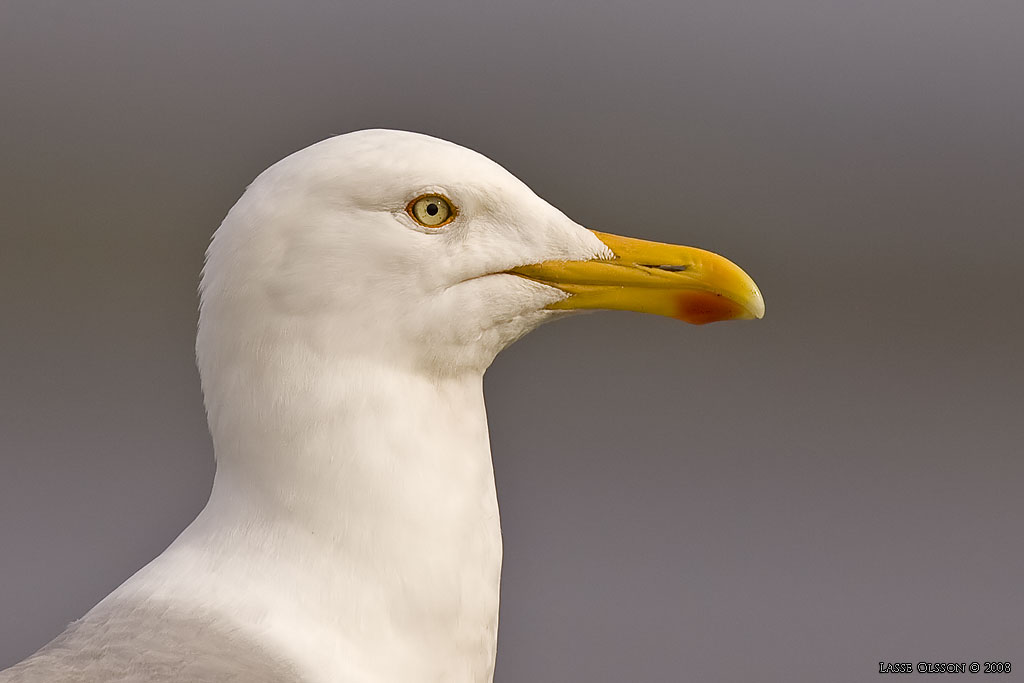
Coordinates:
[353,526]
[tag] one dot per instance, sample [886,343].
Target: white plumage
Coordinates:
[352,533]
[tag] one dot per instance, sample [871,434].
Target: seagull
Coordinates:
[351,301]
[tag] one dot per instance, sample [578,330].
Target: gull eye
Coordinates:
[431,210]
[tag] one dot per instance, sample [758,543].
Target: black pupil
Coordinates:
[432,209]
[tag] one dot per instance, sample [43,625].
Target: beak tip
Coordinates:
[757,305]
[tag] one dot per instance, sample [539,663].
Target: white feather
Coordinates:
[353,527]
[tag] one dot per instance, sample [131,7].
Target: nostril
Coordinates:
[671,269]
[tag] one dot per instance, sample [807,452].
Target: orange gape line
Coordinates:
[700,308]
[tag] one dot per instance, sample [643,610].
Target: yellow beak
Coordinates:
[665,279]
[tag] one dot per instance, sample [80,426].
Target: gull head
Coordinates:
[403,249]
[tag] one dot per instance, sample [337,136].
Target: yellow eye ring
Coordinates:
[431,210]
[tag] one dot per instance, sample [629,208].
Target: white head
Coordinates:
[321,249]
[324,257]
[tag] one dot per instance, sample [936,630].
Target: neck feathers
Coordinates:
[354,517]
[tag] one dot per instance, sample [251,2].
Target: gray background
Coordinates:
[793,499]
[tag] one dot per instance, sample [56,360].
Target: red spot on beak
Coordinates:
[700,308]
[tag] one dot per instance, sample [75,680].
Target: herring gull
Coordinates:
[350,303]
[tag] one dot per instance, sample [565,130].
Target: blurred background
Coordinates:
[793,499]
